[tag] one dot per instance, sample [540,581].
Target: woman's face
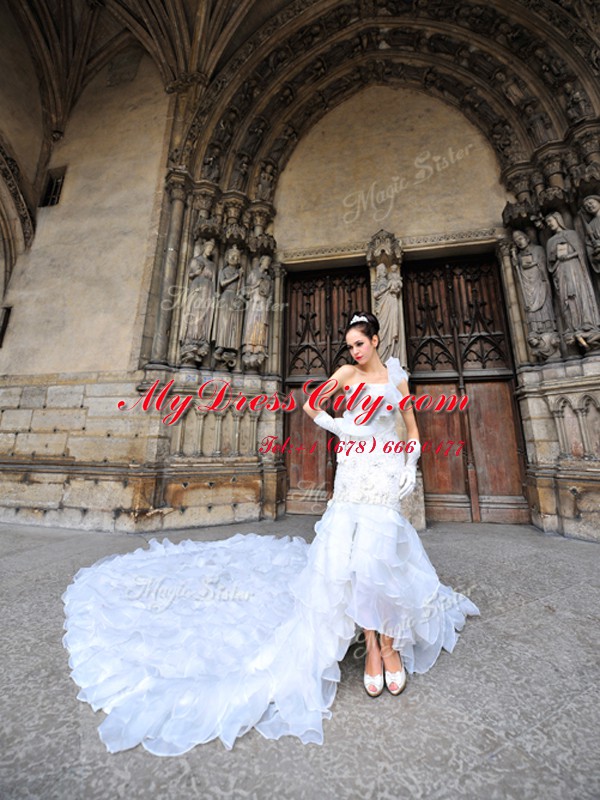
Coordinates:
[360,347]
[591,205]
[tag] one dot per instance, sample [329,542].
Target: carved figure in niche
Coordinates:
[258,293]
[226,128]
[280,144]
[512,87]
[591,204]
[387,291]
[529,261]
[198,310]
[578,104]
[211,166]
[227,324]
[554,68]
[256,131]
[240,171]
[577,302]
[266,182]
[537,123]
[316,70]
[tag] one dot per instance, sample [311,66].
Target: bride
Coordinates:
[182,644]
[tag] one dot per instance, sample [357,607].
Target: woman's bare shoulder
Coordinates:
[344,374]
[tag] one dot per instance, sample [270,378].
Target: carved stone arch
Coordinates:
[397,73]
[16,220]
[571,434]
[486,29]
[586,401]
[11,243]
[559,405]
[357,75]
[589,419]
[572,41]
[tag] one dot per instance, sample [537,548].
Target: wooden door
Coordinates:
[457,343]
[319,305]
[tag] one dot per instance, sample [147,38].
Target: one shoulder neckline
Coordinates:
[370,383]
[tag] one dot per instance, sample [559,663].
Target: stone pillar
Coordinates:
[512,304]
[177,193]
[274,363]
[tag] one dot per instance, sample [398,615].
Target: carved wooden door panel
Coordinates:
[319,305]
[457,343]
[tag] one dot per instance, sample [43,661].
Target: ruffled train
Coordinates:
[181,644]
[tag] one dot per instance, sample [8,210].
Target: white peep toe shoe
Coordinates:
[396,678]
[375,681]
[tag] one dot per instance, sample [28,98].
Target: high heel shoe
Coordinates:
[374,680]
[397,678]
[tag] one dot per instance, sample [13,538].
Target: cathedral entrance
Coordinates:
[319,305]
[457,342]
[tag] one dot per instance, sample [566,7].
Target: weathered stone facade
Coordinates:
[285,137]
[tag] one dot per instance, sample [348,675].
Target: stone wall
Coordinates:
[386,158]
[78,298]
[561,420]
[78,294]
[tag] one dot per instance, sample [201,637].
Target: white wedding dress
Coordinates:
[181,644]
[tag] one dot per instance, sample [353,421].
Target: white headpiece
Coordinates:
[358,318]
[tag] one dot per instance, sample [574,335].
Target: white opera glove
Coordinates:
[325,420]
[408,481]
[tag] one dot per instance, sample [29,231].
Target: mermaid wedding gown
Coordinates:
[181,644]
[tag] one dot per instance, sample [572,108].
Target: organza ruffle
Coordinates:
[181,644]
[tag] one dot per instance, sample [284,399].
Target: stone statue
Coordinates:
[211,164]
[529,261]
[387,291]
[577,302]
[227,324]
[198,310]
[537,122]
[578,104]
[255,134]
[266,182]
[258,292]
[591,204]
[240,171]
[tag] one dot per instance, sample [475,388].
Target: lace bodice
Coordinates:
[384,398]
[366,475]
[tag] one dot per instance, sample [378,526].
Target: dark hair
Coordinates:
[369,328]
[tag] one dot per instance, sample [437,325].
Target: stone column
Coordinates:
[177,193]
[512,303]
[276,328]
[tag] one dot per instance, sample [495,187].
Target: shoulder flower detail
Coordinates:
[396,374]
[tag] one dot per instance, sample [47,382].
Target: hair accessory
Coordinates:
[358,318]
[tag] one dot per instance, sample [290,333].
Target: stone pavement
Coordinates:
[513,712]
